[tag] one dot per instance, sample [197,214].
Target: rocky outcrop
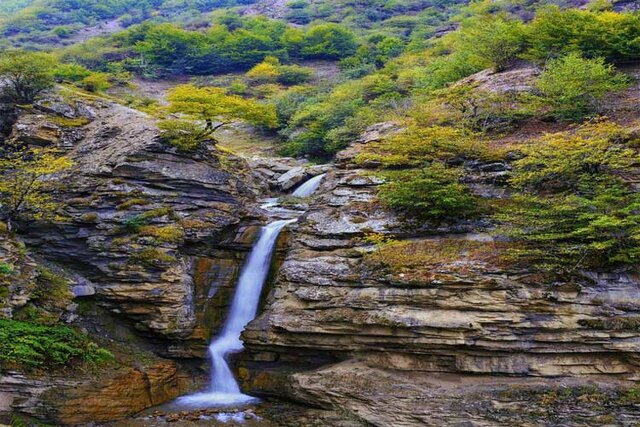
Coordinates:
[145,233]
[519,78]
[459,311]
[110,396]
[284,174]
[7,118]
[138,214]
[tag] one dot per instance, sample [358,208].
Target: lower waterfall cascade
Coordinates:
[224,390]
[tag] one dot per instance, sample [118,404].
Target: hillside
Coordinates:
[378,212]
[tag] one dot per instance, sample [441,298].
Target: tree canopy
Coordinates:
[26,74]
[209,108]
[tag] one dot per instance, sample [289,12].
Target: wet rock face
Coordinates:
[462,314]
[137,215]
[285,174]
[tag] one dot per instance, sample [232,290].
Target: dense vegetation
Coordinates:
[31,346]
[52,20]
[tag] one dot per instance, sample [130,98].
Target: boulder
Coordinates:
[291,178]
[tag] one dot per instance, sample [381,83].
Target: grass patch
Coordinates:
[152,257]
[416,260]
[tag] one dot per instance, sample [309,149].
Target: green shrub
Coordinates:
[575,211]
[185,135]
[434,192]
[6,269]
[328,41]
[573,86]
[133,224]
[63,31]
[569,232]
[418,145]
[72,73]
[96,82]
[294,74]
[575,161]
[29,346]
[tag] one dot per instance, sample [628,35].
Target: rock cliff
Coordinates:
[150,240]
[343,329]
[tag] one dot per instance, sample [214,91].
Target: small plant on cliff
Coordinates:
[27,346]
[5,269]
[27,180]
[434,192]
[207,110]
[152,257]
[52,290]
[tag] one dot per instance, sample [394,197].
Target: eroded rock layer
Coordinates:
[463,313]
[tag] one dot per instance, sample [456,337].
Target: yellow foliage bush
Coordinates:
[168,233]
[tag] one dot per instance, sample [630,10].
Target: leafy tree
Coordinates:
[573,86]
[208,109]
[331,121]
[26,74]
[373,55]
[329,41]
[556,32]
[476,109]
[495,39]
[28,182]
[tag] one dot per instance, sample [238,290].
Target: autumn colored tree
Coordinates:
[27,181]
[207,109]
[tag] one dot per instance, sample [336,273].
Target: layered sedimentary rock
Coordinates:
[112,395]
[138,214]
[149,236]
[462,314]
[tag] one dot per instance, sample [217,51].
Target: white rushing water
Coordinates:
[224,389]
[309,187]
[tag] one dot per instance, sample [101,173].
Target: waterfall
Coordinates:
[309,187]
[224,389]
